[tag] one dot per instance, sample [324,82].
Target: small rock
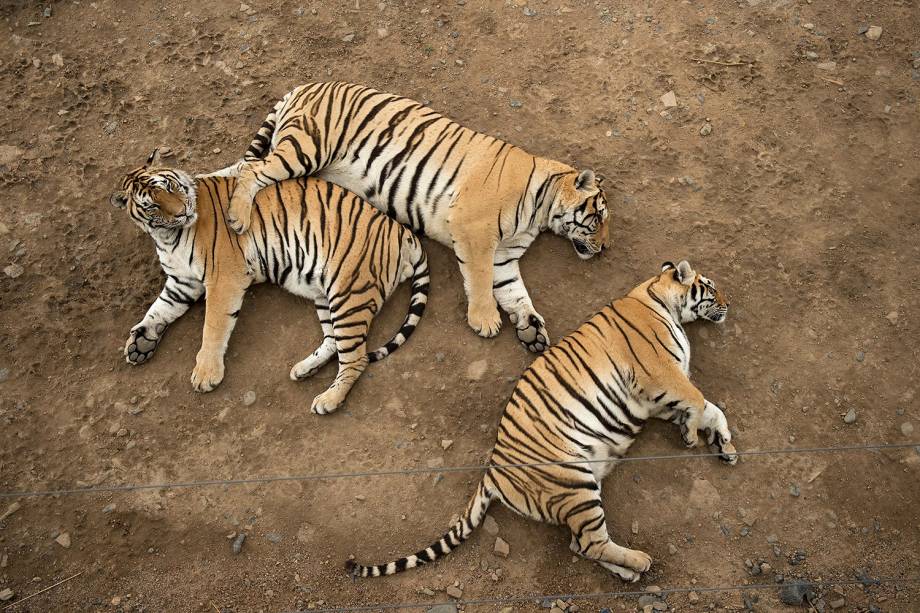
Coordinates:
[892,317]
[427,592]
[502,548]
[794,490]
[63,540]
[274,537]
[116,600]
[693,597]
[6,594]
[249,398]
[135,410]
[360,497]
[669,100]
[446,443]
[15,506]
[556,609]
[47,12]
[454,592]
[706,130]
[109,508]
[796,593]
[874,32]
[838,603]
[215,150]
[860,356]
[811,55]
[348,37]
[808,26]
[907,429]
[635,526]
[110,127]
[237,546]
[382,32]
[490,525]
[4,561]
[672,549]
[516,104]
[827,66]
[57,59]
[476,370]
[529,12]
[14,270]
[850,417]
[244,7]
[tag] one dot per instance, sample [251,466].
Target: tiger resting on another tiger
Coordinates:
[486,199]
[584,401]
[311,237]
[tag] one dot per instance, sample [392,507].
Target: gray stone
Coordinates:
[794,490]
[706,130]
[454,592]
[249,398]
[516,104]
[348,37]
[529,12]
[274,537]
[907,428]
[63,540]
[6,594]
[14,270]
[237,546]
[850,417]
[796,593]
[669,100]
[874,32]
[490,525]
[502,548]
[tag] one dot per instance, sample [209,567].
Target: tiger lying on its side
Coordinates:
[486,199]
[585,401]
[311,237]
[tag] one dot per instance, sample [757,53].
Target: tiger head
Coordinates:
[692,294]
[157,197]
[579,213]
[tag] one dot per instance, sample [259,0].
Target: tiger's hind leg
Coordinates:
[294,156]
[350,328]
[591,540]
[312,363]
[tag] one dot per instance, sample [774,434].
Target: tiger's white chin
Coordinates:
[583,250]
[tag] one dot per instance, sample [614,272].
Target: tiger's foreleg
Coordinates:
[510,292]
[718,435]
[290,158]
[682,403]
[177,296]
[350,328]
[222,307]
[475,256]
[312,363]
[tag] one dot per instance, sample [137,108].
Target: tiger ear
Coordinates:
[584,182]
[153,159]
[684,273]
[118,199]
[667,266]
[169,202]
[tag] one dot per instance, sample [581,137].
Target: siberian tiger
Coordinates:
[311,237]
[584,401]
[483,197]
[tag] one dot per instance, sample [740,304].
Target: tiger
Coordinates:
[309,236]
[582,403]
[485,198]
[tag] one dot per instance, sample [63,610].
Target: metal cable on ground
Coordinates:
[442,469]
[539,598]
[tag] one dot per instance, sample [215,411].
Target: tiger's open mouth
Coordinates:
[583,249]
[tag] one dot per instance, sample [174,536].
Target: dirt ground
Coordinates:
[802,202]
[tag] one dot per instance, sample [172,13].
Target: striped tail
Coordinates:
[420,285]
[459,532]
[262,141]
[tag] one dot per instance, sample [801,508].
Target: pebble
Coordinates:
[57,59]
[6,594]
[874,32]
[116,600]
[490,525]
[4,561]
[809,26]
[850,417]
[706,130]
[476,370]
[63,540]
[348,37]
[860,356]
[672,549]
[811,55]
[516,104]
[446,443]
[907,428]
[635,526]
[838,603]
[828,66]
[382,32]
[502,548]
[892,317]
[796,593]
[529,12]
[454,592]
[693,597]
[274,537]
[669,100]
[249,398]
[109,508]
[794,490]
[16,506]
[13,270]
[237,546]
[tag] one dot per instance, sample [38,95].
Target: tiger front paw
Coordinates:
[486,321]
[531,331]
[239,214]
[720,442]
[208,373]
[142,342]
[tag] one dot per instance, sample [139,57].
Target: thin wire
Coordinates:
[596,595]
[442,469]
